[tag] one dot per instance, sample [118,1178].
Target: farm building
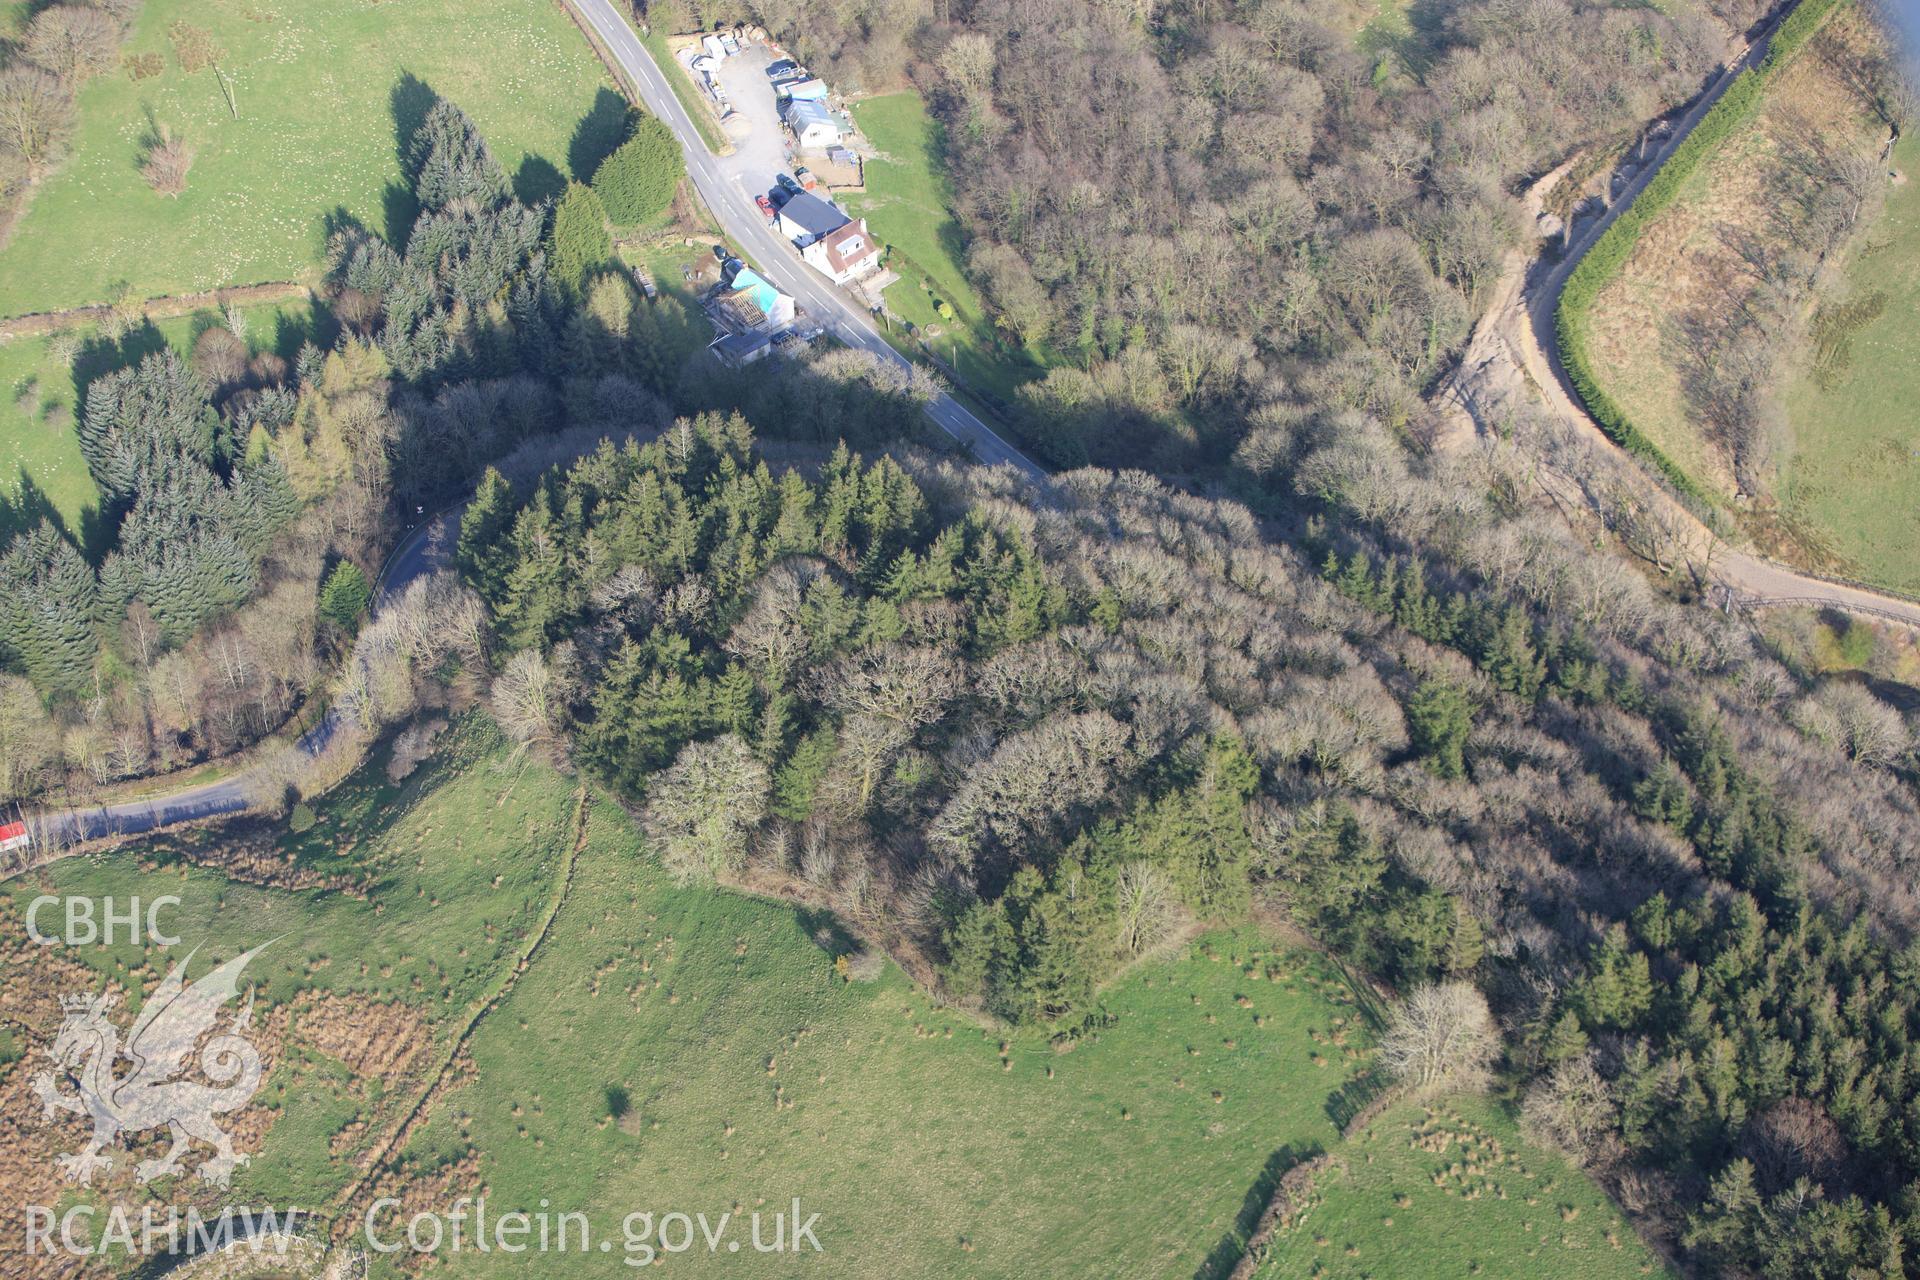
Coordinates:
[806,218]
[843,254]
[814,90]
[812,124]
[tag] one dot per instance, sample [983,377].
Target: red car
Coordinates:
[766,206]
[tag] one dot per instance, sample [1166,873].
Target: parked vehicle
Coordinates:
[787,183]
[777,69]
[766,206]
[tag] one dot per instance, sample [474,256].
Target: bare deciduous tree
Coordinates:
[866,744]
[218,356]
[530,695]
[1442,1037]
[702,810]
[1795,1138]
[28,743]
[1031,778]
[902,684]
[36,116]
[1571,1109]
[435,616]
[771,637]
[169,157]
[74,41]
[1868,729]
[967,62]
[1147,907]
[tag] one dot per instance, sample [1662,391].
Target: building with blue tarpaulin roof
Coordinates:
[750,286]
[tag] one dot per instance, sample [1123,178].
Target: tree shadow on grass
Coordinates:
[29,505]
[1428,20]
[538,180]
[100,355]
[294,330]
[337,221]
[98,532]
[1353,1097]
[1226,1255]
[25,508]
[604,127]
[824,930]
[410,99]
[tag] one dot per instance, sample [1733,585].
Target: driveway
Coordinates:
[758,138]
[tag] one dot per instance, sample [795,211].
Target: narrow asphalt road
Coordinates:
[1532,341]
[1544,293]
[732,205]
[426,549]
[430,546]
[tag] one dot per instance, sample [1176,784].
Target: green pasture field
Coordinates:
[453,866]
[323,90]
[676,1049]
[1452,1189]
[1855,466]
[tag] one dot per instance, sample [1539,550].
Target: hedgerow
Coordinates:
[1603,263]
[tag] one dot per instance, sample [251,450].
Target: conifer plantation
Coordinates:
[1368,705]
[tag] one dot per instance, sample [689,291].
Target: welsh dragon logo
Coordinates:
[160,1049]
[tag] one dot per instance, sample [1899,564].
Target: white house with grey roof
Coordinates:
[806,218]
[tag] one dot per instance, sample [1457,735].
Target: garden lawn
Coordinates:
[1856,457]
[908,206]
[318,84]
[42,473]
[1408,1198]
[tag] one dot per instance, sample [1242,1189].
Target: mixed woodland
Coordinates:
[1251,650]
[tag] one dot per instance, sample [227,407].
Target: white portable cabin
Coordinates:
[812,124]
